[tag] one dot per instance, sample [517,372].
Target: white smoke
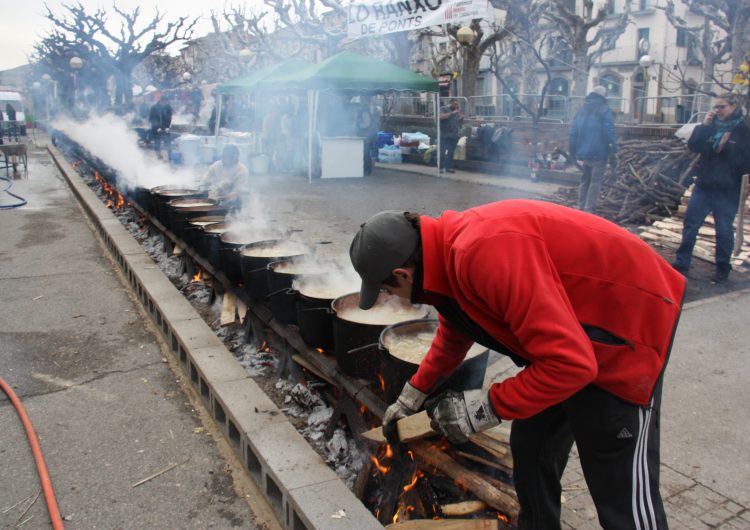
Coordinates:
[109,138]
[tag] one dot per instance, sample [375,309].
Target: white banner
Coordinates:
[381,17]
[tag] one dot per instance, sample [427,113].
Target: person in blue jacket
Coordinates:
[592,141]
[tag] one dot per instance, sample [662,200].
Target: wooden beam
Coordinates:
[228,309]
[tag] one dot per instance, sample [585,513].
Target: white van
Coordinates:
[13,98]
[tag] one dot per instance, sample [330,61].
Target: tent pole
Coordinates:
[310,129]
[439,139]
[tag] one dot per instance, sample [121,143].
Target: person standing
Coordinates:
[723,142]
[10,110]
[592,141]
[587,308]
[450,122]
[227,179]
[160,117]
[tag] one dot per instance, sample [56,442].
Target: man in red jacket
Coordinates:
[586,307]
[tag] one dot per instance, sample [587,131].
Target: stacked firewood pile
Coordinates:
[650,178]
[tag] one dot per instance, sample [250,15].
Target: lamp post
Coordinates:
[76,63]
[645,62]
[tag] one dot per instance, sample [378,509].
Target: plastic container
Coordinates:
[384,138]
[189,146]
[259,164]
[390,154]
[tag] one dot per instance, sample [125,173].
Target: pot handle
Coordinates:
[364,349]
[283,290]
[327,310]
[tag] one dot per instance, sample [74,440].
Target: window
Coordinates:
[642,34]
[682,38]
[644,5]
[559,54]
[613,83]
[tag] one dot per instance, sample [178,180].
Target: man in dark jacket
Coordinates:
[160,117]
[588,308]
[592,141]
[723,141]
[450,122]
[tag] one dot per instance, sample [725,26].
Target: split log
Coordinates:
[228,310]
[410,428]
[462,508]
[482,487]
[489,463]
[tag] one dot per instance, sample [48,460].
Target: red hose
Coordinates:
[49,494]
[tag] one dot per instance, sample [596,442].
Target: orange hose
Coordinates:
[49,494]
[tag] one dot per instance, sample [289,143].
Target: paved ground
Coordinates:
[108,410]
[77,354]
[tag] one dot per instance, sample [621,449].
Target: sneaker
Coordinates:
[721,276]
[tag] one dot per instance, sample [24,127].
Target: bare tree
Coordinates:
[122,50]
[574,28]
[721,37]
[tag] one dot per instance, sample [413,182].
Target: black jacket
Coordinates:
[721,171]
[160,116]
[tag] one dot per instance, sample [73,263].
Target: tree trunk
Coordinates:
[123,90]
[580,77]
[741,42]
[469,73]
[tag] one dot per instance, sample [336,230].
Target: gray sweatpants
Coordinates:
[591,183]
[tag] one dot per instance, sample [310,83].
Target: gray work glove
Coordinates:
[408,403]
[457,415]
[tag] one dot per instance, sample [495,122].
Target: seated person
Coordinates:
[227,179]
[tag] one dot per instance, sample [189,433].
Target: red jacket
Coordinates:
[531,273]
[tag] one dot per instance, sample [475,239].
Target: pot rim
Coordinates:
[420,307]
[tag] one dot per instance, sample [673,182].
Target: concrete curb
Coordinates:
[304,492]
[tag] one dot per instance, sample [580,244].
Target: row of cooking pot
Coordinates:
[274,270]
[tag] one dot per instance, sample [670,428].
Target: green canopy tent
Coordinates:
[251,82]
[348,71]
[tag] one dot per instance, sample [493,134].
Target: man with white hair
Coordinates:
[592,141]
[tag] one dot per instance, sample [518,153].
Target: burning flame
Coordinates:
[388,451]
[382,382]
[503,518]
[414,479]
[320,350]
[381,468]
[198,277]
[120,201]
[108,203]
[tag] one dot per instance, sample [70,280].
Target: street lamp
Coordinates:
[76,63]
[465,35]
[645,61]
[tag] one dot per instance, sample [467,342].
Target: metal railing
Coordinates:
[561,109]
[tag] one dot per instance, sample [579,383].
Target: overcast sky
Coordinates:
[22,22]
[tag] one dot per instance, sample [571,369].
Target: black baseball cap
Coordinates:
[384,242]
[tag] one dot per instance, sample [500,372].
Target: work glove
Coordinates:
[457,415]
[408,403]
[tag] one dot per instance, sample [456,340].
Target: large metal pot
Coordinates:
[182,210]
[281,275]
[161,195]
[356,332]
[403,346]
[194,228]
[255,257]
[230,244]
[314,313]
[208,243]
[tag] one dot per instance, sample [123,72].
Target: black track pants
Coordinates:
[618,444]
